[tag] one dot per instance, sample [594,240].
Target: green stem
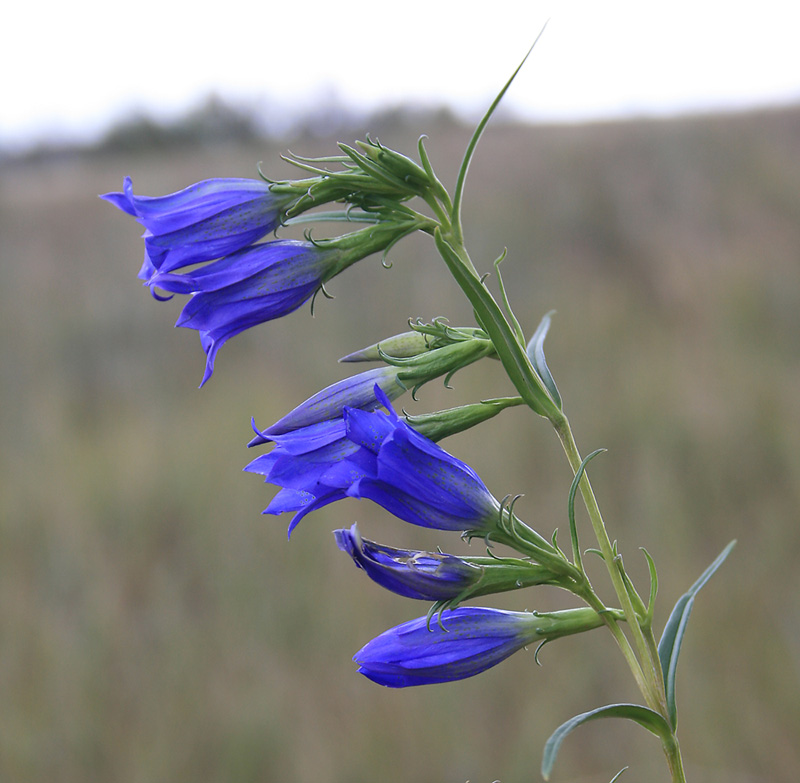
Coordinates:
[654,695]
[646,667]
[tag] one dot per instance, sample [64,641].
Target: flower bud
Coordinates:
[467,641]
[436,576]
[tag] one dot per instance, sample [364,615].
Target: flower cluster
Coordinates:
[246,282]
[208,243]
[326,450]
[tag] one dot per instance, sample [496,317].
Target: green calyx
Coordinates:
[554,625]
[441,424]
[448,360]
[423,337]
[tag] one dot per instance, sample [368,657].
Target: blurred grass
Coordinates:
[153,626]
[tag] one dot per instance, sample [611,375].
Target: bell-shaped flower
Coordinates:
[368,454]
[207,220]
[436,576]
[308,464]
[414,478]
[247,288]
[467,641]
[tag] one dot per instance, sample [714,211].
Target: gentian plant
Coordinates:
[209,242]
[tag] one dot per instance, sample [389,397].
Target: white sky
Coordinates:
[67,70]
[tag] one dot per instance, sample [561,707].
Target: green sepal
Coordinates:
[644,716]
[669,646]
[501,575]
[501,333]
[535,351]
[423,337]
[400,166]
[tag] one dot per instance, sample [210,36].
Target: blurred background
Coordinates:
[155,627]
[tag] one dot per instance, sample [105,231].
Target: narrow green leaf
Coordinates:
[644,716]
[535,352]
[669,646]
[653,587]
[501,333]
[573,529]
[473,143]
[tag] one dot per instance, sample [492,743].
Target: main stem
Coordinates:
[644,664]
[641,657]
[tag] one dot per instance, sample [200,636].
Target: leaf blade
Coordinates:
[644,716]
[669,646]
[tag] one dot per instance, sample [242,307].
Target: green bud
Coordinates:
[441,424]
[396,165]
[401,346]
[419,369]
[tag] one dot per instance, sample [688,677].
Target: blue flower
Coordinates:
[466,642]
[436,576]
[368,454]
[247,288]
[429,576]
[308,464]
[313,460]
[207,220]
[413,478]
[469,641]
[356,391]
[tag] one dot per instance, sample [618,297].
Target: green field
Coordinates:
[155,627]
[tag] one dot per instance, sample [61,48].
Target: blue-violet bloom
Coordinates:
[247,288]
[467,641]
[307,464]
[207,220]
[355,391]
[428,576]
[413,478]
[368,454]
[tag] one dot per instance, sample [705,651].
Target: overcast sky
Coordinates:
[70,69]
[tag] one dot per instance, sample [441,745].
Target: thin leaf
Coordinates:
[535,352]
[473,142]
[644,716]
[573,529]
[669,646]
[653,587]
[501,333]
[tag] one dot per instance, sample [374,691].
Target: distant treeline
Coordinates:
[218,121]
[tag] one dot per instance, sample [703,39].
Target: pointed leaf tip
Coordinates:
[669,647]
[535,351]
